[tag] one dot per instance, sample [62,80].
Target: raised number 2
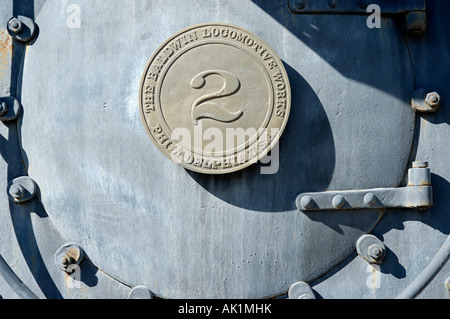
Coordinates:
[204,108]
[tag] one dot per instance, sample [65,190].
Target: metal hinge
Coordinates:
[417,194]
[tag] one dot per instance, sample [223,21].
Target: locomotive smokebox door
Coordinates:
[173,141]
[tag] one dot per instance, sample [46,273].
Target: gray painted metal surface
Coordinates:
[144,222]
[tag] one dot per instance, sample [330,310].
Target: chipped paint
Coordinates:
[6,48]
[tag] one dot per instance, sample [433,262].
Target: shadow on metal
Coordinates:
[323,35]
[298,168]
[24,215]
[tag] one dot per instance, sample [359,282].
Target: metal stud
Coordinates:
[68,255]
[22,189]
[22,28]
[371,249]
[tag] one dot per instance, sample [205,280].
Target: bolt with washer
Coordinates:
[16,191]
[71,256]
[15,25]
[433,99]
[376,253]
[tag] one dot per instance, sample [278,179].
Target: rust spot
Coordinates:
[6,48]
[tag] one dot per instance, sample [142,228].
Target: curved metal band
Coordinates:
[418,284]
[14,282]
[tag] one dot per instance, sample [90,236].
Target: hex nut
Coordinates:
[369,199]
[376,252]
[22,189]
[16,191]
[68,255]
[332,4]
[433,99]
[15,25]
[306,202]
[371,249]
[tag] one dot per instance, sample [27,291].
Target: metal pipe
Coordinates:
[418,284]
[14,282]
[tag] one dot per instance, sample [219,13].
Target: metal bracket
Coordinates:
[417,194]
[354,6]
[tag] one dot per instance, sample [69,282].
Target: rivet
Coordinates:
[299,4]
[338,201]
[362,4]
[332,4]
[369,199]
[371,249]
[306,202]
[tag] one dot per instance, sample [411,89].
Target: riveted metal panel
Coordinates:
[92,209]
[186,234]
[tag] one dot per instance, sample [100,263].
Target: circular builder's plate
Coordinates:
[214,98]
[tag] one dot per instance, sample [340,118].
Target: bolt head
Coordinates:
[376,252]
[16,191]
[15,25]
[433,99]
